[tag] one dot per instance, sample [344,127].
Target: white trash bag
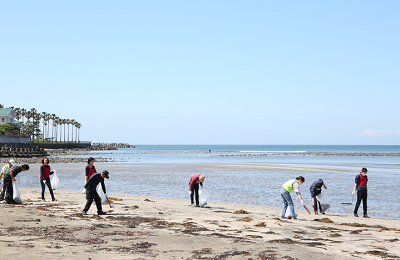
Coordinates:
[323,200]
[54,181]
[16,193]
[100,191]
[203,196]
[287,214]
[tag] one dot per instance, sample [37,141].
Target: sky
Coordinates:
[208,72]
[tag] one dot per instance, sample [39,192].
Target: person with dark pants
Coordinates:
[315,189]
[91,193]
[4,170]
[9,177]
[194,188]
[45,173]
[362,191]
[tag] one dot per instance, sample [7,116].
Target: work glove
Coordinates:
[354,192]
[105,194]
[302,203]
[51,172]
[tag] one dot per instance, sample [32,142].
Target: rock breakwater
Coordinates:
[109,146]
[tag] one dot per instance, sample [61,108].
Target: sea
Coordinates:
[233,173]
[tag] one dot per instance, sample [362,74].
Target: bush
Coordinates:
[7,127]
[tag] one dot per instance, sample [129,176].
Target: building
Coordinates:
[7,116]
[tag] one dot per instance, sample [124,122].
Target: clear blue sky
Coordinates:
[208,72]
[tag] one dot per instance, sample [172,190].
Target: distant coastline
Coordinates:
[55,153]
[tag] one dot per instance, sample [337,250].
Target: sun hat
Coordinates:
[12,162]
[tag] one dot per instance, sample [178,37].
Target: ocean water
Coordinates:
[164,171]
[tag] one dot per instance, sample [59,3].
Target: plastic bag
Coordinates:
[54,181]
[287,214]
[100,191]
[203,196]
[323,200]
[16,193]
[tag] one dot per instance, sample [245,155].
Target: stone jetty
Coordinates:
[109,146]
[21,151]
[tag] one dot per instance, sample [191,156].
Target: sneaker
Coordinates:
[43,200]
[54,199]
[355,215]
[366,216]
[316,212]
[283,217]
[101,213]
[294,217]
[84,212]
[323,213]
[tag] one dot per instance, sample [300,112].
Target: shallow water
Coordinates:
[166,173]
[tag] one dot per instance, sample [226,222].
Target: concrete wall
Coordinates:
[64,145]
[13,139]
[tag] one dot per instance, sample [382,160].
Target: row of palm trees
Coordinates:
[44,120]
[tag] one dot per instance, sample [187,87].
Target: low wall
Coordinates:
[64,145]
[14,139]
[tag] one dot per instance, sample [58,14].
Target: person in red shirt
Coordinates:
[90,169]
[45,173]
[361,188]
[194,188]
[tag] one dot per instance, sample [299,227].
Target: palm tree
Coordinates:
[53,118]
[36,124]
[64,122]
[68,123]
[79,128]
[76,131]
[43,116]
[23,114]
[72,122]
[60,123]
[29,115]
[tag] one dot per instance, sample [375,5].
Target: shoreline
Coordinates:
[61,155]
[144,227]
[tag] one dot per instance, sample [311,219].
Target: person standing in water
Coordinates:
[362,191]
[287,188]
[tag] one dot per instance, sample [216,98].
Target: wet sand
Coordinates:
[139,227]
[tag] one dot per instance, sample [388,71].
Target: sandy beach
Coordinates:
[139,227]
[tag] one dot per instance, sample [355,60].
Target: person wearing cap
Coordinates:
[9,177]
[194,188]
[4,170]
[91,193]
[45,173]
[361,188]
[315,189]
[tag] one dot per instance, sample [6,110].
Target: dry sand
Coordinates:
[138,227]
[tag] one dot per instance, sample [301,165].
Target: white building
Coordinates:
[7,116]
